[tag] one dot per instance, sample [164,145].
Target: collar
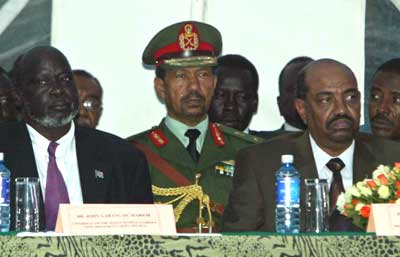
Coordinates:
[41,143]
[321,157]
[179,129]
[288,127]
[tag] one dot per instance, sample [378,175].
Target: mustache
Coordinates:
[381,116]
[193,94]
[340,117]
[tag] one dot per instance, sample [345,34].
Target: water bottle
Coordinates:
[4,196]
[287,211]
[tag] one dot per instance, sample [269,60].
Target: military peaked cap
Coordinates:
[184,44]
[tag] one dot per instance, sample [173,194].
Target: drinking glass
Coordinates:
[317,205]
[27,197]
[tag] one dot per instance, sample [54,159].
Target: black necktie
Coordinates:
[193,134]
[335,165]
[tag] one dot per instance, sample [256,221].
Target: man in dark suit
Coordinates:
[235,99]
[384,103]
[328,101]
[74,165]
[287,96]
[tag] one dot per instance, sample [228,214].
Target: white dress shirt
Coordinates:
[66,159]
[322,158]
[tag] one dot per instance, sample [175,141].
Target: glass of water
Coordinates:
[317,205]
[27,197]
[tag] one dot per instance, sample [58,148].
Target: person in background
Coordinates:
[9,107]
[331,148]
[191,158]
[90,98]
[384,103]
[287,96]
[235,99]
[74,164]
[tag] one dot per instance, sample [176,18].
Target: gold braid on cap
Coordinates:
[187,194]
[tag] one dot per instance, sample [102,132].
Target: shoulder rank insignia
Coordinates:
[225,168]
[158,138]
[217,134]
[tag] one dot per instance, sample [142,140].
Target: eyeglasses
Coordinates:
[91,104]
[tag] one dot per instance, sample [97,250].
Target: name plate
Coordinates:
[384,219]
[109,219]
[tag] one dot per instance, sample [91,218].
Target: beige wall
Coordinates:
[107,38]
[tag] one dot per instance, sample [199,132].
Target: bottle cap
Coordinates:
[287,158]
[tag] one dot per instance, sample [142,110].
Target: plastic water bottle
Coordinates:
[287,211]
[4,196]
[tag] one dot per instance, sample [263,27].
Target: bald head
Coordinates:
[35,61]
[322,69]
[329,103]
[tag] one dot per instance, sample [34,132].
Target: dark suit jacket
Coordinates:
[126,176]
[251,205]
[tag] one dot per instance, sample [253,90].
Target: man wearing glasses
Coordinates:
[90,99]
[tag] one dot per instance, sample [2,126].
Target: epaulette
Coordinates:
[217,134]
[240,134]
[157,137]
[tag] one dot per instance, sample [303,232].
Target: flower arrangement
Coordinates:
[384,187]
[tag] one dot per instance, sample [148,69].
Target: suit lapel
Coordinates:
[94,172]
[24,151]
[304,161]
[364,161]
[20,159]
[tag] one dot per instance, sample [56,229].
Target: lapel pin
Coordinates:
[98,174]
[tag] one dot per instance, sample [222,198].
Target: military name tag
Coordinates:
[225,168]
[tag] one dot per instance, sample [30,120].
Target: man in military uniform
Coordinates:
[191,159]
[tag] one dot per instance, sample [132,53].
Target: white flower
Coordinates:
[398,201]
[364,190]
[348,196]
[380,170]
[354,191]
[384,192]
[359,206]
[340,203]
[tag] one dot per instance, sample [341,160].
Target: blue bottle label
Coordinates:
[5,190]
[287,191]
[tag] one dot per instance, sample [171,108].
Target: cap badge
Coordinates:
[188,37]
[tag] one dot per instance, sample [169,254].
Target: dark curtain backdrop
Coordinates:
[382,40]
[30,28]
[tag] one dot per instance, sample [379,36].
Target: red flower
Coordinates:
[398,193]
[354,202]
[371,184]
[383,180]
[397,165]
[397,184]
[365,210]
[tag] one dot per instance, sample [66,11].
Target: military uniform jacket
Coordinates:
[217,186]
